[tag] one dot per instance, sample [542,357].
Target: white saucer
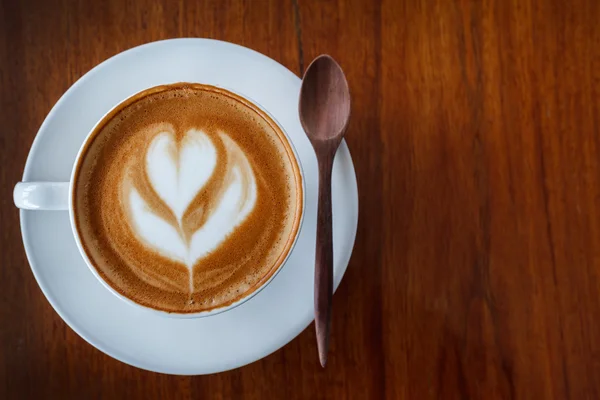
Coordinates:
[134,336]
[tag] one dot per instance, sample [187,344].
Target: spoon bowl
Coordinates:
[324,100]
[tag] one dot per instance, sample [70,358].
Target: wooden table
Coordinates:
[476,140]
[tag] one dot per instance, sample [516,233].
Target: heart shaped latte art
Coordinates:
[203,188]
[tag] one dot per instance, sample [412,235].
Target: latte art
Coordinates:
[178,174]
[187,198]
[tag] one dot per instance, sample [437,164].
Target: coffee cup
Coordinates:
[176,179]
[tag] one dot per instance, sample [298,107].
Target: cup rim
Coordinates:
[175,314]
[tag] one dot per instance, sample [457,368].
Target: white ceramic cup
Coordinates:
[59,196]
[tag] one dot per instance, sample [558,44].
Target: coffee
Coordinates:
[187,198]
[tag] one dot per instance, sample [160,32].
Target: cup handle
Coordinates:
[42,195]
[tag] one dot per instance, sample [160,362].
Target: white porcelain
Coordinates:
[220,342]
[47,196]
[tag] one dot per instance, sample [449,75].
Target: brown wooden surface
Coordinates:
[476,140]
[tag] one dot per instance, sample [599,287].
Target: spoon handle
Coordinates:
[324,258]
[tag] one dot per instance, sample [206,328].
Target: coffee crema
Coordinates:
[187,198]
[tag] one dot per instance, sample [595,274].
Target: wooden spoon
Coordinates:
[324,112]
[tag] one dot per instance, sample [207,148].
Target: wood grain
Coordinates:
[475,136]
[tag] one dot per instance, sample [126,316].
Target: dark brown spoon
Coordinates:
[324,112]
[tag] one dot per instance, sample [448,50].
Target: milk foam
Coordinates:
[178,172]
